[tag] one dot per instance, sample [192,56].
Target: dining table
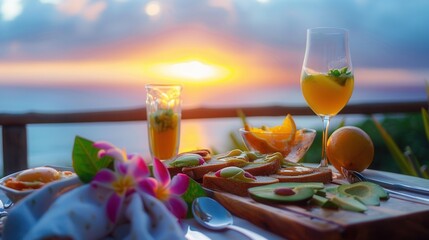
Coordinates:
[300,224]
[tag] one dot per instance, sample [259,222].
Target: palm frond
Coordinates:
[396,153]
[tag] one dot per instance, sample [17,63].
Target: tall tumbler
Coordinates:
[163,107]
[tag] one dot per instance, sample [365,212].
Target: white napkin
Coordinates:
[80,214]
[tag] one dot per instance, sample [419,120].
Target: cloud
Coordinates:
[10,9]
[389,33]
[88,10]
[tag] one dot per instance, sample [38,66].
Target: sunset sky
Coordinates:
[209,46]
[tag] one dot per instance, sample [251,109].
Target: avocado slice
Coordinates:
[320,192]
[349,203]
[377,189]
[282,193]
[332,190]
[366,192]
[314,185]
[323,202]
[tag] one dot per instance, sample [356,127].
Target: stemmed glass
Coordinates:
[327,78]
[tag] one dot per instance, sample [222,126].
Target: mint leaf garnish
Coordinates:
[85,161]
[163,119]
[340,72]
[340,75]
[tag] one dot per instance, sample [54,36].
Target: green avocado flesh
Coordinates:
[323,202]
[366,192]
[303,192]
[349,203]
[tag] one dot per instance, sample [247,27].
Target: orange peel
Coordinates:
[279,138]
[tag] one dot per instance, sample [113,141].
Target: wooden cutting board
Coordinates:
[396,218]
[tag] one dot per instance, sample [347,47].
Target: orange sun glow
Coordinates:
[192,71]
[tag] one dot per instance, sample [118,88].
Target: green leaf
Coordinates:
[237,143]
[194,191]
[343,72]
[85,161]
[336,73]
[425,117]
[340,76]
[398,156]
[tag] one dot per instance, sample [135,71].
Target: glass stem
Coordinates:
[324,161]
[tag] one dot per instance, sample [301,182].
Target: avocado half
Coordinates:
[284,192]
[366,192]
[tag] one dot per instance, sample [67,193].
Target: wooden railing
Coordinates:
[15,125]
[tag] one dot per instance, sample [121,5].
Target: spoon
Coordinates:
[3,212]
[212,215]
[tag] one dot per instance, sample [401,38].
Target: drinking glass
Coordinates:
[163,107]
[327,78]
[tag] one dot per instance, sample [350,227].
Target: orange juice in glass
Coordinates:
[326,94]
[163,107]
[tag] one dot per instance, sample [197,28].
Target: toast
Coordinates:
[303,174]
[232,158]
[213,182]
[254,163]
[265,165]
[174,170]
[198,172]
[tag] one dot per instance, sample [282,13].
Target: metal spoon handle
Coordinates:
[407,195]
[400,186]
[247,233]
[415,189]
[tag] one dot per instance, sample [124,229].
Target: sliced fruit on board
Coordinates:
[285,192]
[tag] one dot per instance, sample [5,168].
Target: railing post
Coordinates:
[14,148]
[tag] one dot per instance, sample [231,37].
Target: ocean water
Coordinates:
[51,144]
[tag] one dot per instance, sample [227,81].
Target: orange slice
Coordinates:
[275,139]
[286,132]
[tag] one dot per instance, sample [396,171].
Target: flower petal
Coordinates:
[103,145]
[177,206]
[104,178]
[179,184]
[148,185]
[121,167]
[161,173]
[139,169]
[113,207]
[116,153]
[101,153]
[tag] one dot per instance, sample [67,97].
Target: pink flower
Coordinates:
[129,170]
[166,190]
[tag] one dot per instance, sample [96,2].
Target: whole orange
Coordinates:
[351,148]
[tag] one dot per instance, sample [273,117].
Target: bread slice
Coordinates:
[303,174]
[211,181]
[264,168]
[204,153]
[232,158]
[198,172]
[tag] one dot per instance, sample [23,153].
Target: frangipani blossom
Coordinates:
[128,171]
[166,190]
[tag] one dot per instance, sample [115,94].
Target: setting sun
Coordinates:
[192,70]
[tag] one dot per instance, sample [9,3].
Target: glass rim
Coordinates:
[328,30]
[304,130]
[159,85]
